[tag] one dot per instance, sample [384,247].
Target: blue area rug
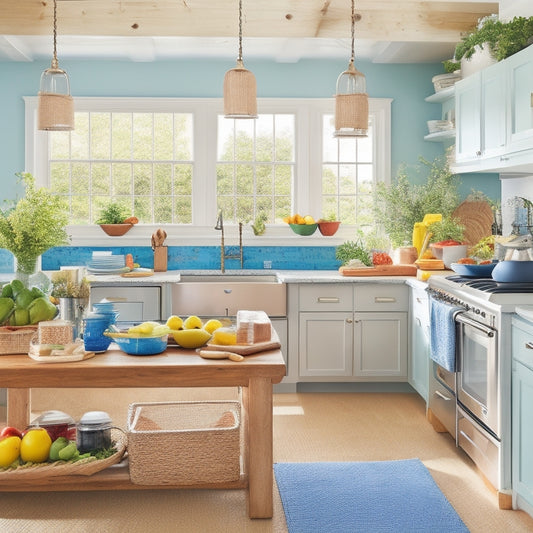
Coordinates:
[368,497]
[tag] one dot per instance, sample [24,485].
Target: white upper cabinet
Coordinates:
[494,117]
[520,77]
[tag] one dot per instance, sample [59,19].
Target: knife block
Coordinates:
[160,258]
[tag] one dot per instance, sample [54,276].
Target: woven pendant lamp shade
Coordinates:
[56,112]
[351,98]
[56,105]
[351,104]
[240,93]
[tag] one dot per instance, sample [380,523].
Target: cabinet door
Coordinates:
[522,434]
[468,118]
[493,110]
[326,344]
[520,75]
[419,355]
[380,345]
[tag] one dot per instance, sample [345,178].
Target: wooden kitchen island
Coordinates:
[173,368]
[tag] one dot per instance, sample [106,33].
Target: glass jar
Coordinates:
[57,424]
[94,431]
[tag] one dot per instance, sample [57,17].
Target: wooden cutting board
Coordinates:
[381,270]
[247,349]
[477,218]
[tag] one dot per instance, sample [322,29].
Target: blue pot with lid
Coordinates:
[513,272]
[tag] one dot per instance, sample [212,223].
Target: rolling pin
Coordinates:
[214,354]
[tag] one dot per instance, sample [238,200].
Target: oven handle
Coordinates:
[459,317]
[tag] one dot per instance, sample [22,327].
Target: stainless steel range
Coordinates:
[483,368]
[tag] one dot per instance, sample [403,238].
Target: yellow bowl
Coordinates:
[191,338]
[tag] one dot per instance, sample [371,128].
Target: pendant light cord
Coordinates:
[54,59]
[353,31]
[240,31]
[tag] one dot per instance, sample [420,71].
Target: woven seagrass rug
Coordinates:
[368,497]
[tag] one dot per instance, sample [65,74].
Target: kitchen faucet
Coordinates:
[223,256]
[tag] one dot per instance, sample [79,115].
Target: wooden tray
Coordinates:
[244,349]
[382,270]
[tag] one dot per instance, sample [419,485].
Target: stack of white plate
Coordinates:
[106,264]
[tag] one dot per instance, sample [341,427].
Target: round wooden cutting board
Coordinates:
[477,219]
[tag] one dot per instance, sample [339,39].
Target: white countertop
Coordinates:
[171,276]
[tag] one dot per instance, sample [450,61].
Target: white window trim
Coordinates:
[308,115]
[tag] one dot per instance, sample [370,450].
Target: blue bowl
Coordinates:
[513,272]
[142,345]
[474,271]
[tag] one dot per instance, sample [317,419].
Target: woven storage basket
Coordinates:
[15,340]
[184,443]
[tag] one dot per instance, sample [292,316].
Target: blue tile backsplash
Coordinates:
[195,257]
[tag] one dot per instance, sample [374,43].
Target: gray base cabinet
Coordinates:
[350,332]
[522,414]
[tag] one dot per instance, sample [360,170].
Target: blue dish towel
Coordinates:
[442,333]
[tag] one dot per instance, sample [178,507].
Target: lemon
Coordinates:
[145,328]
[9,450]
[175,322]
[309,219]
[212,325]
[35,446]
[225,336]
[192,322]
[161,330]
[191,338]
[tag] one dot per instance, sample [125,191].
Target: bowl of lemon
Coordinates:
[302,225]
[147,338]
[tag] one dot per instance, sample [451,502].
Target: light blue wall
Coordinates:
[406,84]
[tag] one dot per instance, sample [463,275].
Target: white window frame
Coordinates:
[308,163]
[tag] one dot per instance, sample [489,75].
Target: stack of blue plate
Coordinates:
[107,310]
[106,264]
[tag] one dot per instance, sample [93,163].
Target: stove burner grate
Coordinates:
[489,285]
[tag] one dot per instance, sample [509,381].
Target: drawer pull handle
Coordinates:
[442,396]
[384,299]
[327,300]
[529,345]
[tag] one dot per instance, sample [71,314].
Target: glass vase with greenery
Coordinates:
[32,225]
[399,205]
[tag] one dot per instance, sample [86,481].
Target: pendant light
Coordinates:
[56,105]
[240,89]
[351,99]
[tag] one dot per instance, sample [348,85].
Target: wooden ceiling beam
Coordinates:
[385,20]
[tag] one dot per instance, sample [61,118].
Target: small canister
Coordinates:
[94,431]
[57,424]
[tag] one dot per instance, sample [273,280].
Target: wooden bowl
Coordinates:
[116,230]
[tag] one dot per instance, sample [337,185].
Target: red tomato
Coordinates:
[381,258]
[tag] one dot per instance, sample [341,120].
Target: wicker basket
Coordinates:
[15,340]
[184,443]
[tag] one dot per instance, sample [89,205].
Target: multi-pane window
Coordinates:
[255,167]
[347,175]
[143,161]
[178,161]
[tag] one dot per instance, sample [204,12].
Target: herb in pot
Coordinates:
[113,213]
[448,230]
[350,250]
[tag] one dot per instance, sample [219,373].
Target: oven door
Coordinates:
[477,371]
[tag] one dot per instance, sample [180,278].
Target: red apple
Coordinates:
[9,431]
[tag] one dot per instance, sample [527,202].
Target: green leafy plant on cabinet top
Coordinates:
[503,38]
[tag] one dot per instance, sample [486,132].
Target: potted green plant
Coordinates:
[328,225]
[399,205]
[353,252]
[446,240]
[32,225]
[496,38]
[115,220]
[72,298]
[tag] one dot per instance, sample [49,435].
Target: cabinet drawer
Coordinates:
[135,304]
[326,297]
[522,342]
[381,297]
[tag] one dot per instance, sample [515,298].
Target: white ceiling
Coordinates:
[390,31]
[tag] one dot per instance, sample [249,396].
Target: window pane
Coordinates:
[163,141]
[100,135]
[142,135]
[122,124]
[265,185]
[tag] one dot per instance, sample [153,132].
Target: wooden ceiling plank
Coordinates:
[385,20]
